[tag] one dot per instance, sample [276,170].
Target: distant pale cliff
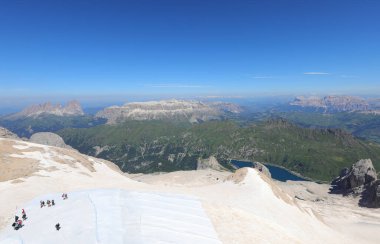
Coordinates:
[193,111]
[333,103]
[71,108]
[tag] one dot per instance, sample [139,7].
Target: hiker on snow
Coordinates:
[19,224]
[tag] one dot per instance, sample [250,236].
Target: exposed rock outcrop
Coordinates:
[354,180]
[48,138]
[5,133]
[371,195]
[209,163]
[256,165]
[71,108]
[361,180]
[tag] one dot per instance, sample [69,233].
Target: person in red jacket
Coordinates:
[19,223]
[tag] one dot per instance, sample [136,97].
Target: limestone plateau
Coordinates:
[193,111]
[335,103]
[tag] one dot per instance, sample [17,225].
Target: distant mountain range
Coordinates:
[172,135]
[48,117]
[192,111]
[72,108]
[195,111]
[338,103]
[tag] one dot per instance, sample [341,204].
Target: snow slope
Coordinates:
[199,206]
[115,216]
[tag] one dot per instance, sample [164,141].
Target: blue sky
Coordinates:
[158,47]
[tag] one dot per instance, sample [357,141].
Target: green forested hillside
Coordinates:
[26,126]
[148,146]
[366,126]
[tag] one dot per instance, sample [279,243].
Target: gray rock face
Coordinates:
[361,174]
[48,138]
[361,180]
[371,196]
[4,133]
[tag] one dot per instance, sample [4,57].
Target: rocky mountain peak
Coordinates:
[71,108]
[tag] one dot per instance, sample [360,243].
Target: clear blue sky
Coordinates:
[85,48]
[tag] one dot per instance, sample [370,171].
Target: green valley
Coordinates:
[149,146]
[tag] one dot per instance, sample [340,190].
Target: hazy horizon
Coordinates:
[14,104]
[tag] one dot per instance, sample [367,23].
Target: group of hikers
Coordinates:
[64,196]
[18,223]
[48,202]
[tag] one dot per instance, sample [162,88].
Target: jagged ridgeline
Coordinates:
[148,146]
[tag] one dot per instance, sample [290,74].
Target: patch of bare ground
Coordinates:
[75,158]
[238,176]
[12,168]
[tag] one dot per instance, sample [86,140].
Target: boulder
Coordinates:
[49,139]
[354,180]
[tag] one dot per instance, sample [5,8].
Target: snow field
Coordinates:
[114,216]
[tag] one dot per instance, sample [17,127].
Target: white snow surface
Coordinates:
[114,216]
[106,206]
